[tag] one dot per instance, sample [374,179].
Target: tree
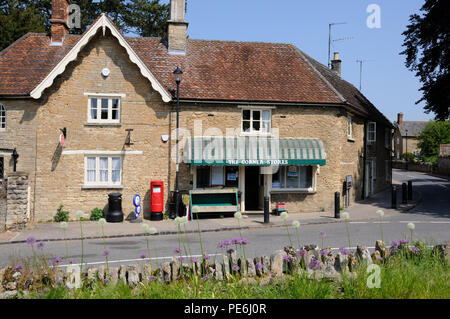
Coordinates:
[427,43]
[147,18]
[434,134]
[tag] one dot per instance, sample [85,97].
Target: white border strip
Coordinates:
[97,152]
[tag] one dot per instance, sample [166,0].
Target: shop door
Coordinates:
[252,188]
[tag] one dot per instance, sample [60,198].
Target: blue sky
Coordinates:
[386,81]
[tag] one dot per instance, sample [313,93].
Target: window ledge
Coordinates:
[102,187]
[102,124]
[294,190]
[349,139]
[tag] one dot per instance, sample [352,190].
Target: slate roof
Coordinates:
[414,127]
[212,70]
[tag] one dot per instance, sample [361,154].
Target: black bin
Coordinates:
[115,213]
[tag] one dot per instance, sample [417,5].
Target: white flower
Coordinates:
[380,213]
[195,209]
[177,221]
[296,224]
[238,215]
[79,214]
[63,225]
[411,226]
[284,215]
[152,230]
[145,227]
[102,221]
[183,220]
[345,215]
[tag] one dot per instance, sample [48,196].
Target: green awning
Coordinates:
[253,151]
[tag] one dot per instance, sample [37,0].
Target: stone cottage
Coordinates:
[406,135]
[114,98]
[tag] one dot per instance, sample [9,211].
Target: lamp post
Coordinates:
[406,150]
[178,74]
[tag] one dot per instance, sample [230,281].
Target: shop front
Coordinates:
[235,173]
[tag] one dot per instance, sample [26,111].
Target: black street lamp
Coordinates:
[178,74]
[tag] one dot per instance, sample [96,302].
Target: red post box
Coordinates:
[156,200]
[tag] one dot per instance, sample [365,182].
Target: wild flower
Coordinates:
[56,260]
[102,221]
[64,226]
[230,250]
[259,266]
[143,256]
[287,258]
[322,235]
[284,216]
[346,216]
[238,215]
[152,230]
[206,277]
[344,251]
[403,241]
[106,253]
[296,225]
[314,264]
[177,250]
[40,245]
[324,252]
[415,250]
[235,268]
[180,258]
[31,240]
[241,241]
[395,243]
[300,253]
[80,215]
[196,209]
[149,231]
[17,267]
[206,257]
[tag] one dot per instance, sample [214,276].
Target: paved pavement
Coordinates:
[361,211]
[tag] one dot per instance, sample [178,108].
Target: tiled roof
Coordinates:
[414,127]
[212,70]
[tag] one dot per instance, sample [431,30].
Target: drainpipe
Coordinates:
[364,160]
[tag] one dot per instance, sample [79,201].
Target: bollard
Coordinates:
[394,196]
[266,209]
[404,194]
[337,205]
[409,190]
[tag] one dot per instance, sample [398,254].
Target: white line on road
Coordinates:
[358,222]
[439,222]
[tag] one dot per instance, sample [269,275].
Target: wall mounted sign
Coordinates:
[137,200]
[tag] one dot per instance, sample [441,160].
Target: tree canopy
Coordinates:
[141,17]
[427,50]
[434,134]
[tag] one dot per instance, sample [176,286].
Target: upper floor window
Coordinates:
[256,121]
[104,110]
[2,118]
[349,127]
[371,132]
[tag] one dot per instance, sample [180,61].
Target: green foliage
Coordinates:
[96,214]
[434,134]
[409,157]
[147,18]
[61,215]
[427,50]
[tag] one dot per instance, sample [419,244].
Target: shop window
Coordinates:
[217,176]
[256,121]
[2,118]
[103,171]
[293,177]
[104,110]
[231,176]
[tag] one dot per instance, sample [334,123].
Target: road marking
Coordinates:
[358,222]
[128,260]
[439,222]
[381,222]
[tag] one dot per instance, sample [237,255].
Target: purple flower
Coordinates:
[180,259]
[323,234]
[239,241]
[105,280]
[224,244]
[220,245]
[40,245]
[193,259]
[206,277]
[244,241]
[56,260]
[31,240]
[300,253]
[314,264]
[403,241]
[106,253]
[415,250]
[177,250]
[143,256]
[235,241]
[324,252]
[380,258]
[17,267]
[259,266]
[58,283]
[206,256]
[395,243]
[286,258]
[70,261]
[230,250]
[235,268]
[227,242]
[344,251]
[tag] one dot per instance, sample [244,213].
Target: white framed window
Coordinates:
[372,132]
[103,109]
[349,127]
[256,121]
[101,171]
[2,117]
[293,177]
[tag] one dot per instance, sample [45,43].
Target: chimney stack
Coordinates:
[177,27]
[400,118]
[336,64]
[60,17]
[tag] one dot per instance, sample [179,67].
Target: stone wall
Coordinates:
[2,210]
[444,165]
[17,211]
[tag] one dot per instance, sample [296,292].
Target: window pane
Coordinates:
[305,176]
[246,126]
[103,169]
[292,177]
[217,176]
[91,169]
[276,183]
[104,109]
[2,116]
[203,176]
[256,125]
[115,109]
[265,127]
[246,114]
[115,173]
[256,115]
[266,115]
[93,108]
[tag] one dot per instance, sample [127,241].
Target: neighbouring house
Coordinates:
[405,136]
[256,120]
